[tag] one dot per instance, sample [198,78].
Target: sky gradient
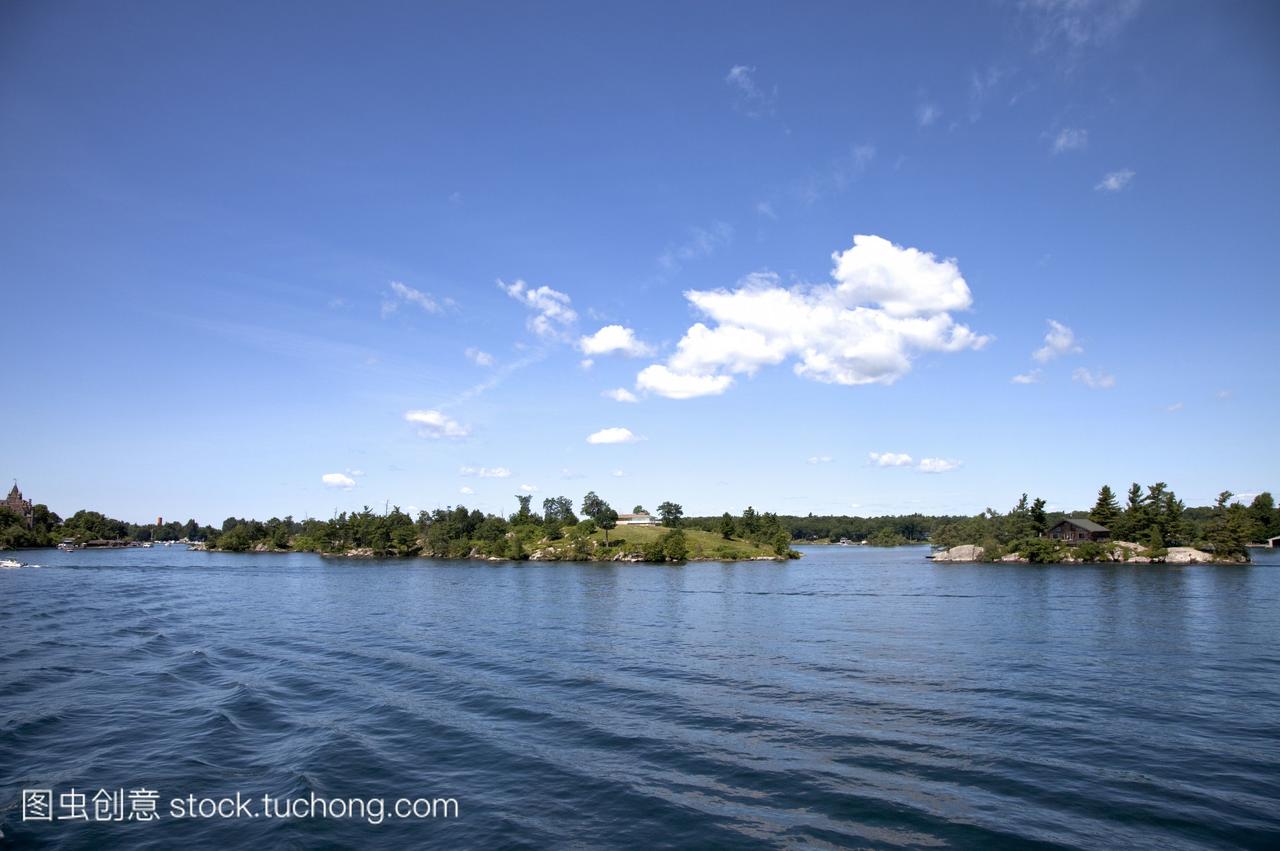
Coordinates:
[834,258]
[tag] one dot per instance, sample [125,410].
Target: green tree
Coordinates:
[726,526]
[1262,512]
[782,542]
[1039,521]
[671,513]
[674,546]
[1106,511]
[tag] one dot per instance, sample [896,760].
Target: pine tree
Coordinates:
[1106,511]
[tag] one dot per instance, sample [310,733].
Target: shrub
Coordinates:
[674,546]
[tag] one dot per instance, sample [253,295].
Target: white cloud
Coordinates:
[615,434]
[937,465]
[402,294]
[552,312]
[1058,340]
[1070,139]
[586,363]
[529,488]
[621,394]
[1114,181]
[1094,380]
[1223,394]
[338,480]
[819,459]
[749,98]
[478,357]
[618,474]
[1174,408]
[1032,377]
[485,472]
[838,175]
[657,378]
[887,304]
[701,242]
[764,208]
[614,339]
[1073,25]
[434,424]
[890,459]
[465,490]
[927,113]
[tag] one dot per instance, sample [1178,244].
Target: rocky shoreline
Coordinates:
[1119,552]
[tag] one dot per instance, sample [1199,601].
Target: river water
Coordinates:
[856,697]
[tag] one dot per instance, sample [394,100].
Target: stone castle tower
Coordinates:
[19,506]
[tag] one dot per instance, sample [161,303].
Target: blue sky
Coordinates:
[269,259]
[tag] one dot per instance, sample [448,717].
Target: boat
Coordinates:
[8,563]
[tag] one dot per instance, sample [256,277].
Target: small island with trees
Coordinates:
[1153,526]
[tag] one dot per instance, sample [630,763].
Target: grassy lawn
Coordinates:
[701,544]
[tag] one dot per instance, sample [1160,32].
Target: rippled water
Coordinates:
[854,698]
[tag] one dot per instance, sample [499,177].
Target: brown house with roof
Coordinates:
[1074,531]
[19,506]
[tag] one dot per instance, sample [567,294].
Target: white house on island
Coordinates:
[640,518]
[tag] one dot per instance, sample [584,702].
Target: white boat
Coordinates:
[8,562]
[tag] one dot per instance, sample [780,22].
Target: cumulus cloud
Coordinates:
[1058,340]
[887,304]
[890,459]
[1094,380]
[657,378]
[485,472]
[338,480]
[1114,181]
[819,459]
[1032,377]
[614,339]
[621,394]
[937,465]
[465,490]
[553,314]
[615,434]
[529,488]
[1070,139]
[403,294]
[478,357]
[435,424]
[749,97]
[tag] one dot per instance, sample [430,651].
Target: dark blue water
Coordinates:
[856,697]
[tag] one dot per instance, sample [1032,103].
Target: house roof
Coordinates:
[634,516]
[1081,523]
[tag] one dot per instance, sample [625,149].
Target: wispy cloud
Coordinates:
[927,113]
[1114,181]
[1032,377]
[435,424]
[1174,408]
[1071,26]
[749,97]
[1094,380]
[552,313]
[937,465]
[765,210]
[700,242]
[529,488]
[403,294]
[1070,139]
[837,176]
[478,357]
[620,394]
[1059,340]
[485,472]
[819,459]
